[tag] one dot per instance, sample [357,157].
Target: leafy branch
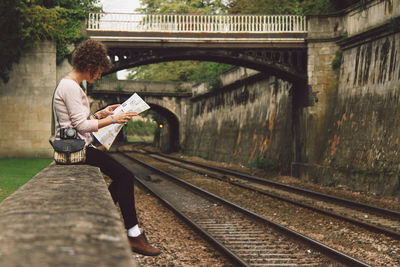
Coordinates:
[26,22]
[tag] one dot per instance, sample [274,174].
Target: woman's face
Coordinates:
[97,75]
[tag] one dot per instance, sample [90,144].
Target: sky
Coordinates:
[120,5]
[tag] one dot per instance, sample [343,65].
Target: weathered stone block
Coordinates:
[26,99]
[243,124]
[64,216]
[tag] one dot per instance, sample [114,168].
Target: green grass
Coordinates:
[141,128]
[134,139]
[16,172]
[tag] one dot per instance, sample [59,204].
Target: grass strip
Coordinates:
[16,172]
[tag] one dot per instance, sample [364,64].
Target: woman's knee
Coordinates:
[124,189]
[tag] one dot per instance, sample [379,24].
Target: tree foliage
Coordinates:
[276,7]
[208,71]
[25,22]
[302,7]
[183,6]
[181,71]
[190,71]
[165,71]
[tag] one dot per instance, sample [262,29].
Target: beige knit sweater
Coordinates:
[72,109]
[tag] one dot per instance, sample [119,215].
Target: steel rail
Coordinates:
[220,246]
[369,226]
[318,246]
[382,211]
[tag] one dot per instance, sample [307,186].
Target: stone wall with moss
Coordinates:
[25,104]
[351,136]
[248,123]
[364,135]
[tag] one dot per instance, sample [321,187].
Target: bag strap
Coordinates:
[53,114]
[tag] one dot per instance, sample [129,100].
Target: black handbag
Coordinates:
[69,150]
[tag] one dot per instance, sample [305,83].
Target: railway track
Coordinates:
[370,217]
[246,238]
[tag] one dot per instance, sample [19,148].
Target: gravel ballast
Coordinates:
[181,246]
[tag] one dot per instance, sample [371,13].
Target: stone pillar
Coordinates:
[25,104]
[322,81]
[63,69]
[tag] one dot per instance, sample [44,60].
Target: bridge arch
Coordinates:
[273,45]
[167,137]
[170,106]
[268,43]
[287,64]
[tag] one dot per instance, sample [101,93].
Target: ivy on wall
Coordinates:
[337,61]
[24,23]
[209,71]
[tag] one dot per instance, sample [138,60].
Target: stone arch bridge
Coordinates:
[337,140]
[169,99]
[271,44]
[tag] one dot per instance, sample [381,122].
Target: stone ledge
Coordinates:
[64,216]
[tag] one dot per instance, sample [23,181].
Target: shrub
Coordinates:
[265,164]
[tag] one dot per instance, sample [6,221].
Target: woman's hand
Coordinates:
[120,118]
[107,111]
[124,117]
[117,118]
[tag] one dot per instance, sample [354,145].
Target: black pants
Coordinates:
[122,186]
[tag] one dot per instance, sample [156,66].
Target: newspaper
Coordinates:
[107,135]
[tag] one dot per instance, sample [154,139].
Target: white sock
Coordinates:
[134,231]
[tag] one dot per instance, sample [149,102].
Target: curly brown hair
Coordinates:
[91,56]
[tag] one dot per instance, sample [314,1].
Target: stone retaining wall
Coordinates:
[64,216]
[25,104]
[364,140]
[351,135]
[246,122]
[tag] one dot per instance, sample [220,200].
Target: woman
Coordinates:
[72,109]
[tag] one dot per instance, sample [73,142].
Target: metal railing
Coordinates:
[196,23]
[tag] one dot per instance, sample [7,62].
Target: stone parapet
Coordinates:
[131,86]
[64,216]
[363,17]
[354,20]
[244,122]
[350,136]
[236,74]
[25,104]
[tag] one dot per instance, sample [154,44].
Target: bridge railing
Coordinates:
[130,22]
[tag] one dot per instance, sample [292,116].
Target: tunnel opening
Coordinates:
[166,136]
[141,128]
[158,126]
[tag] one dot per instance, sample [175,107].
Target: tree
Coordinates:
[11,46]
[183,6]
[181,71]
[208,71]
[191,71]
[165,71]
[273,7]
[25,22]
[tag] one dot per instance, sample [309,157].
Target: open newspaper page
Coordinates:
[107,135]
